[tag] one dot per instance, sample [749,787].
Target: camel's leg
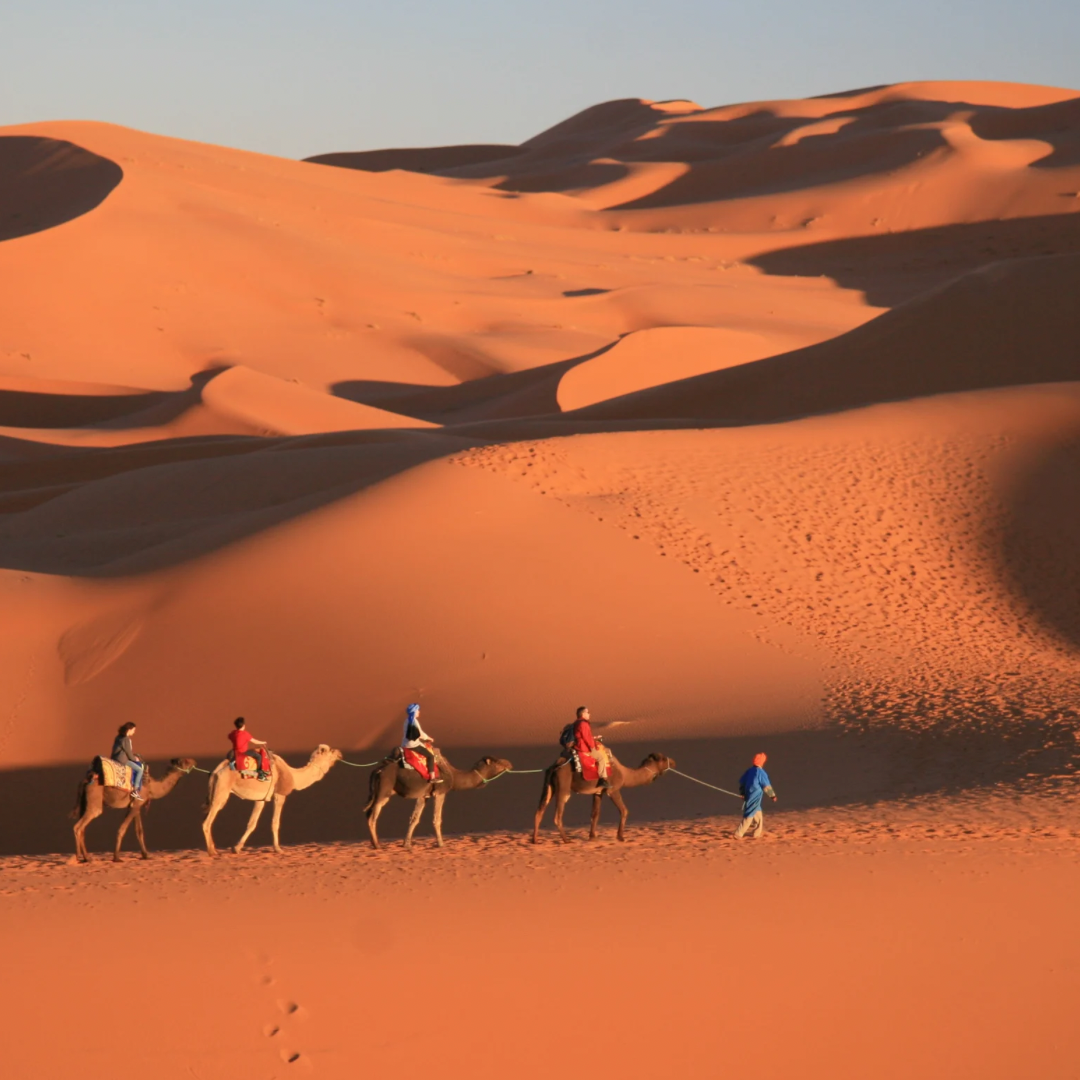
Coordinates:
[437,817]
[545,798]
[414,820]
[256,813]
[383,781]
[617,799]
[373,817]
[218,799]
[128,817]
[275,824]
[139,834]
[594,820]
[92,812]
[561,799]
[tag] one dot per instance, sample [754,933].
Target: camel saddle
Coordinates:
[112,773]
[587,765]
[248,768]
[412,760]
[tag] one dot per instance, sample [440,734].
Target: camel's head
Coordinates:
[326,754]
[183,764]
[490,767]
[660,761]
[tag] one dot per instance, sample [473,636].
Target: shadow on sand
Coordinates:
[1040,550]
[47,182]
[895,267]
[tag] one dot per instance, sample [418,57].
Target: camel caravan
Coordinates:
[415,770]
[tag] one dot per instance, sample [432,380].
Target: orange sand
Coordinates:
[757,420]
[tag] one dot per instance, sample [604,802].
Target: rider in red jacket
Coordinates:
[586,745]
[243,743]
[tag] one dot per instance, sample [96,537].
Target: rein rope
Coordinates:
[372,764]
[687,776]
[520,772]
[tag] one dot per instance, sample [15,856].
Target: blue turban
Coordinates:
[411,712]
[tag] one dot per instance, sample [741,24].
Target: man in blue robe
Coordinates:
[753,785]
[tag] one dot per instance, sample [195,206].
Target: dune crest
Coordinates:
[660,355]
[278,407]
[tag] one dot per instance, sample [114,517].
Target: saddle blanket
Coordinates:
[587,765]
[248,768]
[113,774]
[416,761]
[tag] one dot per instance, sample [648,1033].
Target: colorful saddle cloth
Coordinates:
[248,768]
[587,765]
[416,761]
[113,774]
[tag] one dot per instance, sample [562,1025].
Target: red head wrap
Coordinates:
[759,760]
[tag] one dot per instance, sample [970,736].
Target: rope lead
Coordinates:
[703,784]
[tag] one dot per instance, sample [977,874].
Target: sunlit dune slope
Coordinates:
[444,583]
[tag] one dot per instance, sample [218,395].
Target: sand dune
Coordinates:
[895,157]
[750,426]
[235,362]
[46,182]
[651,357]
[1006,324]
[276,407]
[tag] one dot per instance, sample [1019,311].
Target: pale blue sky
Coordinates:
[299,77]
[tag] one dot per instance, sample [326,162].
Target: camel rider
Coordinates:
[415,738]
[753,784]
[123,754]
[578,737]
[243,743]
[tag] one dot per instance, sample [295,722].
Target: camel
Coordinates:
[93,798]
[392,778]
[562,781]
[284,780]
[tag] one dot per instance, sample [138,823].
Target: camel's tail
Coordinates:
[373,787]
[211,788]
[549,783]
[79,808]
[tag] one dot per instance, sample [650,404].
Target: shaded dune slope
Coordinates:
[895,267]
[46,182]
[432,159]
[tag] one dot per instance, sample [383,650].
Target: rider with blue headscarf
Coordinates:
[418,740]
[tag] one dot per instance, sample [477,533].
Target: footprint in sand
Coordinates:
[280,1028]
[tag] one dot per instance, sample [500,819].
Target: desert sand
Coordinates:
[752,427]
